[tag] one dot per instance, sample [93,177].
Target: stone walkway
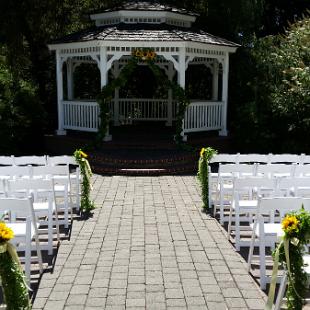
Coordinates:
[148,246]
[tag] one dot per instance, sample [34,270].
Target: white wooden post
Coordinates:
[70,87]
[225,65]
[215,80]
[116,95]
[181,78]
[169,110]
[59,78]
[104,79]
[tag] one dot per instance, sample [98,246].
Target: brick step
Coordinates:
[182,170]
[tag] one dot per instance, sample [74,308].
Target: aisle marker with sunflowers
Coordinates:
[81,158]
[205,156]
[13,282]
[289,254]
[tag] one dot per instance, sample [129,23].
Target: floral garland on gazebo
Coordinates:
[15,289]
[147,56]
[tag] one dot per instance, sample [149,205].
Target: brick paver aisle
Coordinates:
[148,246]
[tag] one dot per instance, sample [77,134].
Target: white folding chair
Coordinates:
[302,170]
[269,233]
[75,176]
[61,177]
[245,195]
[44,204]
[25,230]
[226,175]
[30,160]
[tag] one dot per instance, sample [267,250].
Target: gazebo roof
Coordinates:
[144,32]
[146,6]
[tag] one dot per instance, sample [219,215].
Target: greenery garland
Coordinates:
[289,254]
[107,92]
[86,203]
[203,174]
[14,286]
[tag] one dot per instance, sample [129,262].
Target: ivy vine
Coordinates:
[107,92]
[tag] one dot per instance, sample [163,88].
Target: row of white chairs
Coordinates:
[43,160]
[221,182]
[261,158]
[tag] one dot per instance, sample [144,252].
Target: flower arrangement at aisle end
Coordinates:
[289,254]
[205,156]
[144,54]
[86,203]
[15,289]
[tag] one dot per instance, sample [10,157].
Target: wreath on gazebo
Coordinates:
[106,95]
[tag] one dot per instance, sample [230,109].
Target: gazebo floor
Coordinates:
[143,149]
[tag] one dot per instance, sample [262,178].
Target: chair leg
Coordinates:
[251,249]
[281,292]
[237,229]
[50,230]
[262,262]
[229,223]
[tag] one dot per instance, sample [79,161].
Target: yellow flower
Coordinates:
[290,223]
[83,154]
[6,233]
[202,151]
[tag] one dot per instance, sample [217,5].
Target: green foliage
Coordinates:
[21,114]
[12,281]
[278,115]
[86,203]
[203,173]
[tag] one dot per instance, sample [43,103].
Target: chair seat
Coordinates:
[42,206]
[247,205]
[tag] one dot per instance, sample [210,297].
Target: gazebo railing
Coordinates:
[81,115]
[203,116]
[199,116]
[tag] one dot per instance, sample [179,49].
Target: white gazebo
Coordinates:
[169,33]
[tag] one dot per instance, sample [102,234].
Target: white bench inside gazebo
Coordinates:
[166,31]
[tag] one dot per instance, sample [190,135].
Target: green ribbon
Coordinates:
[285,242]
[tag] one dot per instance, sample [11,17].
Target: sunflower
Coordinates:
[290,223]
[84,155]
[6,233]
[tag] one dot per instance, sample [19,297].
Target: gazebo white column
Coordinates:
[116,95]
[70,87]
[170,77]
[59,77]
[215,80]
[104,79]
[182,67]
[225,65]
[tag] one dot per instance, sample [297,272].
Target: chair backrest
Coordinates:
[7,160]
[302,170]
[271,170]
[282,205]
[17,207]
[224,158]
[304,159]
[15,171]
[39,188]
[237,170]
[30,160]
[50,171]
[61,160]
[285,158]
[253,158]
[254,186]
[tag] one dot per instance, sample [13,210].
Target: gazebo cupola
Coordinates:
[166,30]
